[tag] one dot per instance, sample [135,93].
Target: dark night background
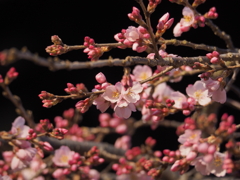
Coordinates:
[31,23]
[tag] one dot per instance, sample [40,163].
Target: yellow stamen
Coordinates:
[217,161]
[143,76]
[188,18]
[64,158]
[115,94]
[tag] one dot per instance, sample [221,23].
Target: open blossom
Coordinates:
[131,95]
[142,72]
[124,99]
[62,156]
[201,165]
[101,103]
[190,136]
[199,92]
[215,91]
[132,34]
[22,158]
[179,99]
[113,93]
[215,166]
[185,23]
[19,129]
[124,109]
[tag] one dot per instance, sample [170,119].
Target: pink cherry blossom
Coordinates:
[185,150]
[22,158]
[113,93]
[190,136]
[62,156]
[178,98]
[142,72]
[200,165]
[218,94]
[188,17]
[124,109]
[132,34]
[185,23]
[19,129]
[131,95]
[101,103]
[199,92]
[215,166]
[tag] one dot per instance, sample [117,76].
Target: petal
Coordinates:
[219,96]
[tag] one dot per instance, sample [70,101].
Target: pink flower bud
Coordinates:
[186,112]
[47,146]
[208,158]
[169,23]
[164,18]
[214,60]
[215,53]
[211,149]
[100,77]
[165,158]
[203,148]
[157,153]
[121,129]
[191,156]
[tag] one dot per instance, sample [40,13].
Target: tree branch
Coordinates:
[176,42]
[17,102]
[56,64]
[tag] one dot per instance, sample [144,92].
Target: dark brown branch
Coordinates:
[176,42]
[220,33]
[17,103]
[56,64]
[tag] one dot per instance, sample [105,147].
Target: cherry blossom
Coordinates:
[190,136]
[22,158]
[62,156]
[124,109]
[215,166]
[201,165]
[179,99]
[199,92]
[113,93]
[142,72]
[185,23]
[19,129]
[215,91]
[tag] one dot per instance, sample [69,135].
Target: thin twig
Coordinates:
[17,103]
[220,33]
[176,42]
[232,80]
[233,103]
[157,75]
[150,29]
